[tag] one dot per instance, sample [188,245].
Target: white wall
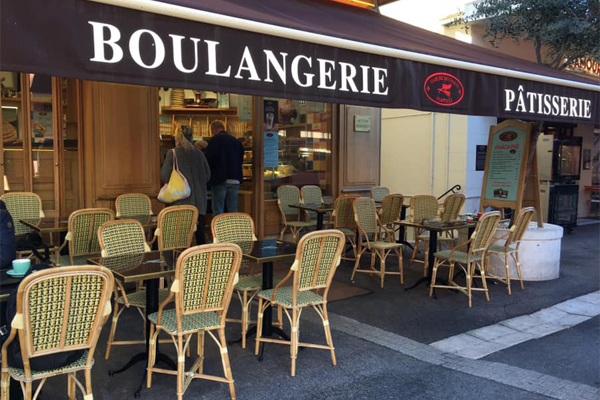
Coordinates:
[587,133]
[478,129]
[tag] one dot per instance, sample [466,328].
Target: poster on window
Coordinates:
[41,121]
[271,149]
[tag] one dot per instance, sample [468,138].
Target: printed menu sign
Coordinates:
[271,149]
[505,160]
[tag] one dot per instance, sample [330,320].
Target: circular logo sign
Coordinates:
[508,136]
[444,89]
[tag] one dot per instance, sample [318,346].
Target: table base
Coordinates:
[143,357]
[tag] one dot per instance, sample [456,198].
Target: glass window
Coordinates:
[297,138]
[12,132]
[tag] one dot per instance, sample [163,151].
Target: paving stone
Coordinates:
[521,323]
[578,307]
[481,350]
[492,331]
[593,297]
[559,317]
[514,338]
[544,329]
[456,343]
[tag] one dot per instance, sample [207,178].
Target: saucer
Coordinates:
[14,274]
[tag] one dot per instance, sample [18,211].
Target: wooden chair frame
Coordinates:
[296,310]
[123,196]
[511,248]
[119,289]
[376,246]
[21,325]
[69,239]
[416,216]
[295,226]
[471,264]
[182,339]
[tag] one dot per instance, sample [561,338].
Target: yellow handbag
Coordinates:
[177,188]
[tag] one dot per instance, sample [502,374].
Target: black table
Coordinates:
[435,227]
[320,209]
[266,252]
[148,267]
[147,221]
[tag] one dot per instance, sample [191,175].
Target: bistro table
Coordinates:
[149,267]
[320,209]
[265,252]
[47,224]
[147,221]
[434,227]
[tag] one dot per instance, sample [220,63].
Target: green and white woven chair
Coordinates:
[470,260]
[292,218]
[23,205]
[175,227]
[422,207]
[343,219]
[204,280]
[317,257]
[369,226]
[82,237]
[312,194]
[391,206]
[58,309]
[511,247]
[133,204]
[378,193]
[238,228]
[118,239]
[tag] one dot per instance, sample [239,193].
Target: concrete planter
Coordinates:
[539,253]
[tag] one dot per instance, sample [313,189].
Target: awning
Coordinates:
[301,49]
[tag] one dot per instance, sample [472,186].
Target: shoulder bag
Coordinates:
[177,188]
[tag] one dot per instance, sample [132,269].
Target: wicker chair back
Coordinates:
[318,255]
[452,206]
[288,195]
[83,230]
[311,194]
[484,231]
[365,215]
[379,192]
[175,227]
[233,228]
[206,276]
[391,207]
[520,227]
[343,213]
[119,237]
[63,309]
[423,206]
[133,204]
[23,205]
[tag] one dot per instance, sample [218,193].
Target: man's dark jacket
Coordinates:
[225,155]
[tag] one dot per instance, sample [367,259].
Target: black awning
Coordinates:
[350,55]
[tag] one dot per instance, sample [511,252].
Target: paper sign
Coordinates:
[271,149]
[362,123]
[245,108]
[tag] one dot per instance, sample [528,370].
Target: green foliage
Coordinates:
[561,30]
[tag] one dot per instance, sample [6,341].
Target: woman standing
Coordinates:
[193,165]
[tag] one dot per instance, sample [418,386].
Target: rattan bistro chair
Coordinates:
[367,221]
[378,193]
[391,206]
[202,289]
[317,257]
[132,204]
[470,260]
[58,310]
[312,194]
[422,207]
[511,247]
[82,237]
[23,205]
[121,238]
[343,218]
[288,195]
[238,228]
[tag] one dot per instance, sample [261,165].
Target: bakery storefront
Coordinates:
[92,92]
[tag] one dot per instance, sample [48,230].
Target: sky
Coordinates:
[425,14]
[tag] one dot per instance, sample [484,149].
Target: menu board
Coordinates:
[271,149]
[505,165]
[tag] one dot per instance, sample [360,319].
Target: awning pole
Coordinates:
[193,14]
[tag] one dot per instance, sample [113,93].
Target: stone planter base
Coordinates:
[539,254]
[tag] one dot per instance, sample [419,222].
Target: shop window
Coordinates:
[297,138]
[13,132]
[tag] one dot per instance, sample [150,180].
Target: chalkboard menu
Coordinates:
[506,161]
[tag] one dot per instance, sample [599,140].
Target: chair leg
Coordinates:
[282,232]
[436,264]
[259,322]
[29,391]
[180,367]
[113,329]
[151,355]
[200,350]
[382,257]
[4,392]
[294,340]
[225,359]
[88,385]
[426,259]
[244,317]
[507,272]
[328,334]
[484,282]
[70,386]
[415,250]
[515,255]
[356,264]
[469,282]
[280,317]
[400,264]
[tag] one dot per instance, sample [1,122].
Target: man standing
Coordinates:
[225,155]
